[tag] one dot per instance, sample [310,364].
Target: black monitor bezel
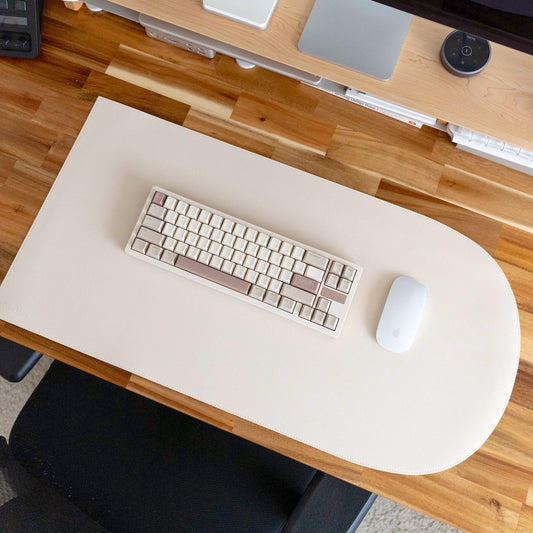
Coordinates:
[509,29]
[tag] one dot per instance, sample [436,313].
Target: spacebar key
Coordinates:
[212,274]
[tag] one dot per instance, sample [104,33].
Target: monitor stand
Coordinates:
[359,34]
[256,13]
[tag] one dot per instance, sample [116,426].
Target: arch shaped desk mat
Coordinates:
[415,413]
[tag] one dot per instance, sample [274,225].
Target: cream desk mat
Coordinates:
[414,413]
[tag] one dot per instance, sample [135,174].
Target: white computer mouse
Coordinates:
[401,314]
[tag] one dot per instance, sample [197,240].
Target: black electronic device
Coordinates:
[20,27]
[507,22]
[464,54]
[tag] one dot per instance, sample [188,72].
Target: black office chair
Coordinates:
[87,456]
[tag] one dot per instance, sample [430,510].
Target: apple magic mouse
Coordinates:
[401,314]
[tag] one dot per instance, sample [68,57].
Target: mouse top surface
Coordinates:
[401,314]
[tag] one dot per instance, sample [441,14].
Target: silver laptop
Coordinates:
[359,34]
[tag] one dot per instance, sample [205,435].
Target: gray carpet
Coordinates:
[385,516]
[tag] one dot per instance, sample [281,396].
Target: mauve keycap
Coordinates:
[307,284]
[212,274]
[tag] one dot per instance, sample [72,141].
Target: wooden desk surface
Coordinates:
[46,101]
[498,102]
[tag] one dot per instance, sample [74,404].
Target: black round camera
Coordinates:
[464,54]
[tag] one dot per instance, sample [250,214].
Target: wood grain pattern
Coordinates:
[231,132]
[468,505]
[393,162]
[363,180]
[283,122]
[516,247]
[483,230]
[496,102]
[447,153]
[46,101]
[181,82]
[460,187]
[526,348]
[202,411]
[526,520]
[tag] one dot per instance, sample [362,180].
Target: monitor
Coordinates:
[508,22]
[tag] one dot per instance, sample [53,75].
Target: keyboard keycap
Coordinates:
[333,295]
[307,284]
[156,210]
[169,257]
[154,251]
[315,260]
[151,236]
[287,304]
[323,304]
[318,316]
[331,322]
[306,312]
[271,298]
[314,273]
[212,274]
[297,294]
[257,292]
[159,198]
[139,246]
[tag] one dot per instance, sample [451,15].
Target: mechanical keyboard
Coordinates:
[294,280]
